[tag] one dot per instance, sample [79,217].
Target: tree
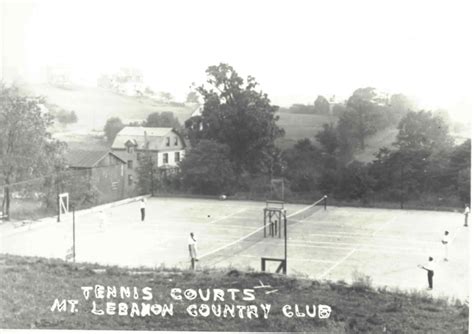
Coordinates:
[164,119]
[26,147]
[301,109]
[327,137]
[112,127]
[148,174]
[321,105]
[423,130]
[192,97]
[355,182]
[239,116]
[303,163]
[166,97]
[66,117]
[401,104]
[207,169]
[460,170]
[361,117]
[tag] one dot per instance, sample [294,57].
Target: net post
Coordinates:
[59,207]
[264,223]
[279,225]
[73,234]
[262,264]
[193,264]
[286,238]
[325,202]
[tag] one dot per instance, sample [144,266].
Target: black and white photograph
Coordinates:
[236,166]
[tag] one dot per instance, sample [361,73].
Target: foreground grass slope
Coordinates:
[29,287]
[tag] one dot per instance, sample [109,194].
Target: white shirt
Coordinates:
[445,240]
[191,241]
[429,265]
[142,204]
[467,210]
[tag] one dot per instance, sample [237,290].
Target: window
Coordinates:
[130,180]
[176,156]
[130,164]
[167,141]
[130,149]
[114,185]
[165,158]
[175,141]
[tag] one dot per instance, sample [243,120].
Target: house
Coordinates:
[165,147]
[104,170]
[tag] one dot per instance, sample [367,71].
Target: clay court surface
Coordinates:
[334,244]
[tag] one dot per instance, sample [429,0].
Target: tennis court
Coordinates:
[330,244]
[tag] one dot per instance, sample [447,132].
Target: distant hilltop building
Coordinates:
[165,146]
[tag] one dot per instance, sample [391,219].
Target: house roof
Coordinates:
[87,159]
[137,134]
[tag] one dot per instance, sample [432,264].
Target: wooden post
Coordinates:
[286,248]
[264,223]
[74,234]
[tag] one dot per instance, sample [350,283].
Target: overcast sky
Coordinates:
[295,49]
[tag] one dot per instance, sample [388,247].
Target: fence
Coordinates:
[38,197]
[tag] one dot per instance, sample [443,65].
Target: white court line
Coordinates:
[228,216]
[384,225]
[457,232]
[368,236]
[337,263]
[361,248]
[351,244]
[298,259]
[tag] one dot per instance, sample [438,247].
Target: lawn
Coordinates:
[93,106]
[355,308]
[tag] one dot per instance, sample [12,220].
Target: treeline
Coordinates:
[233,150]
[422,166]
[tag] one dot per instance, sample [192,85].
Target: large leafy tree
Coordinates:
[112,127]
[27,150]
[303,162]
[423,130]
[367,112]
[207,168]
[321,105]
[165,119]
[239,116]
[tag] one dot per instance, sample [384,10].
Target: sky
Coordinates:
[296,50]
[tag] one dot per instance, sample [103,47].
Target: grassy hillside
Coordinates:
[355,308]
[300,126]
[94,105]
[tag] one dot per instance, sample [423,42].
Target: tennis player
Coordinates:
[467,211]
[429,267]
[445,242]
[192,246]
[142,208]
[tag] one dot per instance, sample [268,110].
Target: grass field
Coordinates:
[93,106]
[356,308]
[337,244]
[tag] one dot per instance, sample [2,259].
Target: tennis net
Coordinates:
[306,212]
[226,253]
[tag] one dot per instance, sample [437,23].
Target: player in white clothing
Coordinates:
[429,267]
[192,246]
[467,211]
[142,208]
